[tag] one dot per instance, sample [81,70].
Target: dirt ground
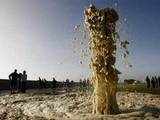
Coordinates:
[50,105]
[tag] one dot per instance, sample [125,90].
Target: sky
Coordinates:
[37,36]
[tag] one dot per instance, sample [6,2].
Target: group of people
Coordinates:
[18,82]
[153,82]
[84,84]
[42,83]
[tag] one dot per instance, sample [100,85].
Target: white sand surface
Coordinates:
[46,105]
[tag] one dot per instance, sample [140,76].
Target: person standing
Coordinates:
[54,83]
[148,82]
[20,82]
[40,83]
[24,81]
[158,81]
[67,85]
[13,78]
[44,83]
[153,82]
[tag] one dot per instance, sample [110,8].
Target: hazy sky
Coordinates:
[36,35]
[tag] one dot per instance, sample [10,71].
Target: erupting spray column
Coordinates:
[101,25]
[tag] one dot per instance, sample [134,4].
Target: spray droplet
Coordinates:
[116,4]
[125,19]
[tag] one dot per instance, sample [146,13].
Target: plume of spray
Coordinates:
[81,48]
[102,39]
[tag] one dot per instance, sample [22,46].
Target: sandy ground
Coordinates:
[48,105]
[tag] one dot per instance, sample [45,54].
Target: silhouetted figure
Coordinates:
[24,82]
[148,82]
[20,82]
[153,82]
[88,84]
[72,83]
[159,81]
[80,85]
[40,83]
[156,81]
[54,83]
[43,83]
[84,83]
[13,77]
[67,85]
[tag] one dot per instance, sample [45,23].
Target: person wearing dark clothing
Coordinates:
[148,82]
[153,82]
[13,78]
[20,82]
[24,81]
[43,83]
[159,81]
[40,83]
[156,81]
[54,83]
[67,85]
